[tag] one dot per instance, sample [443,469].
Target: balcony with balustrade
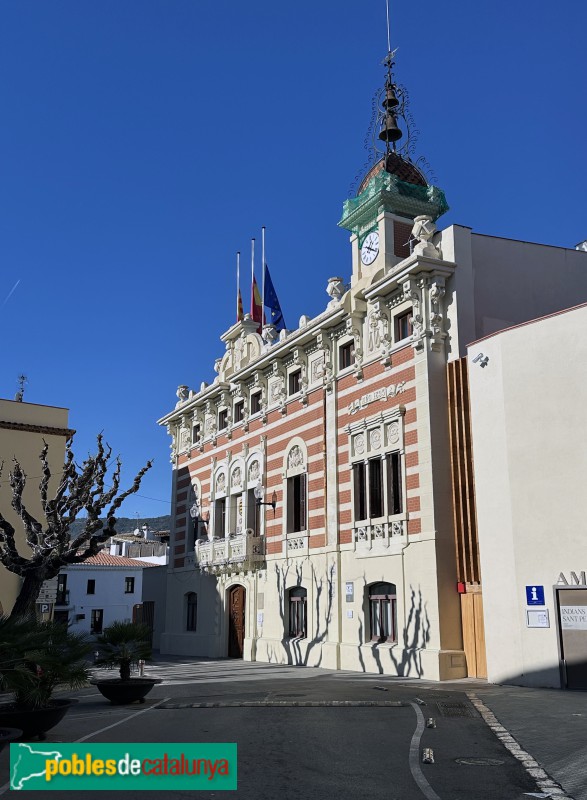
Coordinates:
[235,553]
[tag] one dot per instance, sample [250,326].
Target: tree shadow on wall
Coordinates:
[407,662]
[298,650]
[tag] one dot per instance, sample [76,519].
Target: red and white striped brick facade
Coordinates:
[391,398]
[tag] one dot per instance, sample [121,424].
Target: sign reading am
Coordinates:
[579,580]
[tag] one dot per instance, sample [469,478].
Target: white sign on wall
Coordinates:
[574,618]
[537,619]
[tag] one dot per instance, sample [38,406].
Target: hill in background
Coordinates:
[128,524]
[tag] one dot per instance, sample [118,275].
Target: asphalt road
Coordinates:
[288,747]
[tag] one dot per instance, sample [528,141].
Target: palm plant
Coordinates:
[123,644]
[37,657]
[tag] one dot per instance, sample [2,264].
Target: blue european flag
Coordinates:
[272,302]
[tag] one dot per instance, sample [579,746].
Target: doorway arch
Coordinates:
[236,620]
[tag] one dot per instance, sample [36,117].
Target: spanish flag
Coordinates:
[239,307]
[256,305]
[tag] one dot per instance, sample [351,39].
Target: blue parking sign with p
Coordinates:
[535,595]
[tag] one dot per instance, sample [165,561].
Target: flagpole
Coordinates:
[263,268]
[252,276]
[238,284]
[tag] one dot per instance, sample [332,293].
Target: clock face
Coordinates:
[370,248]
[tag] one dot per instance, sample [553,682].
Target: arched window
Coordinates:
[297,612]
[191,611]
[296,487]
[382,612]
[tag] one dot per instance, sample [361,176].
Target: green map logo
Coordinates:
[151,767]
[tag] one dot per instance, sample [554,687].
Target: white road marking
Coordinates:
[6,786]
[414,757]
[543,781]
[120,721]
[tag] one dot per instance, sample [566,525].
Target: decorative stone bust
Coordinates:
[182,393]
[423,230]
[269,334]
[335,288]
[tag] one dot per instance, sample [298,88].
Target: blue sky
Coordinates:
[144,142]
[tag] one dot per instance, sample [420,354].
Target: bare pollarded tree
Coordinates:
[50,546]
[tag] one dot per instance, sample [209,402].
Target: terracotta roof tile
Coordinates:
[106,560]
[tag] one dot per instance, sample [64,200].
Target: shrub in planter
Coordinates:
[36,658]
[121,645]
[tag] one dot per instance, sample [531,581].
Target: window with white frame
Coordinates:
[382,600]
[346,354]
[254,474]
[296,504]
[236,509]
[403,325]
[377,467]
[220,505]
[239,411]
[255,402]
[297,612]
[296,488]
[192,518]
[294,382]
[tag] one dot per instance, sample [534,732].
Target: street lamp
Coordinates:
[195,510]
[259,491]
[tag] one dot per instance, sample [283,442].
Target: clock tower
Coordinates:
[394,191]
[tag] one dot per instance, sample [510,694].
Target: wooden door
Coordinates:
[474,634]
[236,621]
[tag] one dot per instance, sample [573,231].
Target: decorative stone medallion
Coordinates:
[375,439]
[295,458]
[393,432]
[254,471]
[237,478]
[359,444]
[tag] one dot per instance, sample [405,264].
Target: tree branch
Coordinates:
[79,488]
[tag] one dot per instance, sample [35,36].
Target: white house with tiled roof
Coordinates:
[103,589]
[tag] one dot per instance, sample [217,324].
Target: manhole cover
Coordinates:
[455,709]
[480,762]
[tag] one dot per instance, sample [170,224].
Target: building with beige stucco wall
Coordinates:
[528,395]
[24,427]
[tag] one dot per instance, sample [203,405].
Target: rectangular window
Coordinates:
[129,585]
[296,503]
[297,613]
[252,512]
[220,518]
[295,381]
[192,612]
[403,326]
[222,419]
[91,588]
[196,434]
[375,487]
[345,355]
[394,484]
[360,490]
[62,593]
[256,403]
[382,616]
[239,411]
[96,621]
[236,513]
